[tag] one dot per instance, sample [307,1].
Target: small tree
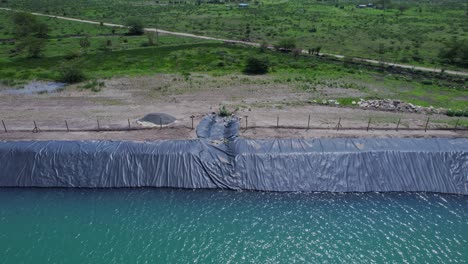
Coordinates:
[286,44]
[135,26]
[151,35]
[256,66]
[455,52]
[263,46]
[85,43]
[31,34]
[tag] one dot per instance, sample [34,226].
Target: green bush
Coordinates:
[71,73]
[256,66]
[135,26]
[224,112]
[286,44]
[457,113]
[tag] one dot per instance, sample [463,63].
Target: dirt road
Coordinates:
[397,65]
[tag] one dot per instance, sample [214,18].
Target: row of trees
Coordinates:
[31,34]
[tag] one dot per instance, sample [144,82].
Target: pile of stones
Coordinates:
[399,106]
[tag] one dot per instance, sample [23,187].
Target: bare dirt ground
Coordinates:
[265,102]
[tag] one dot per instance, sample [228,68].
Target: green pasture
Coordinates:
[112,53]
[411,32]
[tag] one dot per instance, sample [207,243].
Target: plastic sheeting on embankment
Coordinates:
[218,128]
[337,165]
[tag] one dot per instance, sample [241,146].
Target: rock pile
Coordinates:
[397,105]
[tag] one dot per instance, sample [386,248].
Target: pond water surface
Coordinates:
[207,226]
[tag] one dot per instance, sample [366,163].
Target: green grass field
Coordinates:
[411,32]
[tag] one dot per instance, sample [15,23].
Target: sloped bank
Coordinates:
[219,159]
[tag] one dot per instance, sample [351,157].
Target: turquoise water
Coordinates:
[182,226]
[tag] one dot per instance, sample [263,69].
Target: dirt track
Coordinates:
[371,61]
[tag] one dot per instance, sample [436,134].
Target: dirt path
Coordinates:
[398,65]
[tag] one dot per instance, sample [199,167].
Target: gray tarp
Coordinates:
[337,165]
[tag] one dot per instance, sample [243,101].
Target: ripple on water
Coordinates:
[159,225]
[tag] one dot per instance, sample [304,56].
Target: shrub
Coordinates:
[458,113]
[286,44]
[135,26]
[256,66]
[94,86]
[71,73]
[223,112]
[71,55]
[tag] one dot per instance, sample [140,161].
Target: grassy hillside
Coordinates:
[130,56]
[405,31]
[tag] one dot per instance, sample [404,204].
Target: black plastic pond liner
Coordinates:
[158,119]
[218,128]
[335,165]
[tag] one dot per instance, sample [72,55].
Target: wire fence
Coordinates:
[246,122]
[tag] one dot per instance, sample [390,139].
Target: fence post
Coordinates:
[160,122]
[4,127]
[456,124]
[129,126]
[246,122]
[277,121]
[35,129]
[368,124]
[308,122]
[66,124]
[98,125]
[398,124]
[427,123]
[338,126]
[192,116]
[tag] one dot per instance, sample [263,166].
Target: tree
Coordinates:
[455,52]
[151,35]
[402,8]
[256,66]
[31,34]
[287,44]
[85,43]
[135,26]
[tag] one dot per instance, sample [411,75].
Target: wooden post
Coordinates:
[368,124]
[4,127]
[66,124]
[129,126]
[246,122]
[160,122]
[98,126]
[456,124]
[338,126]
[192,116]
[398,124]
[277,121]
[35,129]
[308,123]
[427,123]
